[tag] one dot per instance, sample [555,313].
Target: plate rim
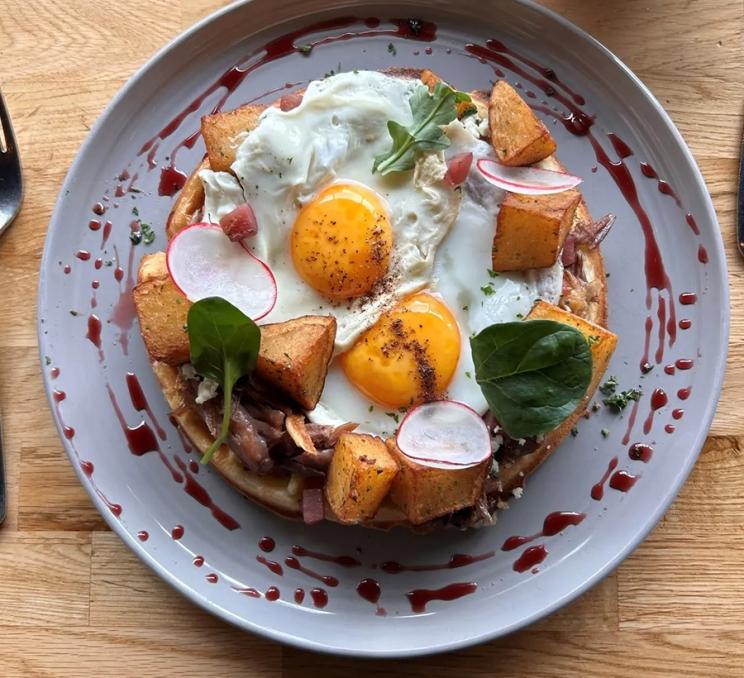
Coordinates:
[670,494]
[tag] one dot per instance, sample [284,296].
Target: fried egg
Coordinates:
[402,261]
[338,238]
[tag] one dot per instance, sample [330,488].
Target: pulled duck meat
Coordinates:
[259,433]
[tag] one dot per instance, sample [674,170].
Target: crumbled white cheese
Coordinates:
[188,371]
[517,492]
[521,441]
[496,442]
[206,391]
[476,126]
[502,505]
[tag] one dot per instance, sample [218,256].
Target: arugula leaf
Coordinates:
[533,373]
[430,112]
[224,345]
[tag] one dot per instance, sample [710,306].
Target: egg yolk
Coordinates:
[409,355]
[341,241]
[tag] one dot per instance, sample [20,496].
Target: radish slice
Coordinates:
[203,262]
[444,434]
[458,168]
[526,180]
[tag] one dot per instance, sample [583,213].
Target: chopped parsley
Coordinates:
[394,416]
[305,49]
[492,273]
[416,25]
[468,375]
[135,211]
[136,237]
[488,289]
[605,432]
[391,49]
[609,387]
[574,431]
[619,401]
[47,360]
[148,235]
[371,408]
[465,308]
[594,339]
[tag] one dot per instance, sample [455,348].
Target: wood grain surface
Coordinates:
[75,601]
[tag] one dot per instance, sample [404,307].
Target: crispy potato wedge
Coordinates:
[424,493]
[518,136]
[295,354]
[531,229]
[190,200]
[223,133]
[601,341]
[162,311]
[430,79]
[359,477]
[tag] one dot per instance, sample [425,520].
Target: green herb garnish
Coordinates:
[430,112]
[533,373]
[305,49]
[619,401]
[148,235]
[224,346]
[609,387]
[391,49]
[487,289]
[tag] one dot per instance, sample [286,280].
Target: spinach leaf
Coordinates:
[430,112]
[224,345]
[533,373]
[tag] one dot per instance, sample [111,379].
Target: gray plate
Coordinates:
[152,501]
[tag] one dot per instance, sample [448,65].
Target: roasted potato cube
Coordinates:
[162,311]
[359,477]
[430,79]
[294,356]
[518,136]
[189,201]
[602,342]
[224,132]
[424,493]
[531,229]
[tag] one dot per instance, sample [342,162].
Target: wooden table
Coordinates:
[74,600]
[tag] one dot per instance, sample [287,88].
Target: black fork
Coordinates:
[11,194]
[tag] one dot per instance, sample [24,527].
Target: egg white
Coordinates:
[442,237]
[334,136]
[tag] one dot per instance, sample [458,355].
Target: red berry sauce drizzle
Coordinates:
[141,437]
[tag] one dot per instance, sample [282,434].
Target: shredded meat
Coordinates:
[246,433]
[258,432]
[578,294]
[590,234]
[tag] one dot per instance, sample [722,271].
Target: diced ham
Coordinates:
[312,506]
[290,101]
[240,223]
[458,169]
